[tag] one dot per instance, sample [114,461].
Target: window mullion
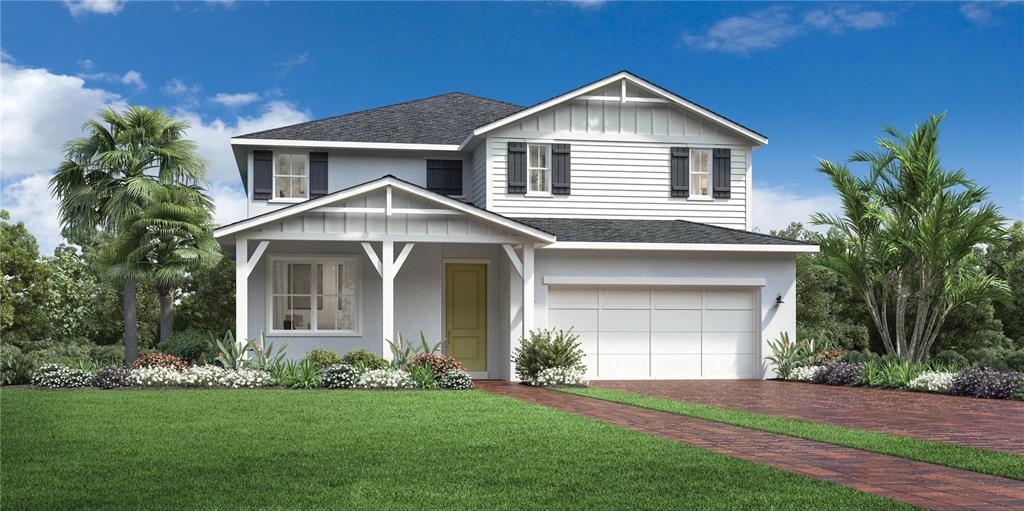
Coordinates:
[314,321]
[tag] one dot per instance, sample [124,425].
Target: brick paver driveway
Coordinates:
[982,423]
[914,482]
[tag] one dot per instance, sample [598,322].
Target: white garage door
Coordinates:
[660,332]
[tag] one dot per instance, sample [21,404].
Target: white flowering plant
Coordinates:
[932,381]
[155,376]
[805,373]
[199,376]
[340,376]
[387,378]
[455,379]
[60,376]
[558,376]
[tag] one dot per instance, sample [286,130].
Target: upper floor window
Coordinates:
[538,168]
[291,176]
[700,173]
[444,176]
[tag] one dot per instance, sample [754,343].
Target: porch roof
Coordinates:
[227,232]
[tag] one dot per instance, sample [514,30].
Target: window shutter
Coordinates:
[721,167]
[444,176]
[680,171]
[560,169]
[262,175]
[516,167]
[317,175]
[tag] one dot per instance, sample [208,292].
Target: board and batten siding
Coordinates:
[477,189]
[310,224]
[620,163]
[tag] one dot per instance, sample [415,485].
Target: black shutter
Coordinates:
[560,169]
[722,171]
[317,175]
[262,175]
[444,176]
[516,167]
[680,171]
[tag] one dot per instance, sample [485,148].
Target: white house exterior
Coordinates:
[619,209]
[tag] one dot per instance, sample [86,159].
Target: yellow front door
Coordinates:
[465,318]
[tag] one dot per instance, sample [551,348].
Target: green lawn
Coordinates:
[279,449]
[967,458]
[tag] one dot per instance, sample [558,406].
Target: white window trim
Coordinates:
[274,175]
[547,170]
[357,278]
[710,171]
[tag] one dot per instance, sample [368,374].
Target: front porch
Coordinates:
[388,260]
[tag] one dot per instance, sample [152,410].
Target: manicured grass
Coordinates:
[967,458]
[270,449]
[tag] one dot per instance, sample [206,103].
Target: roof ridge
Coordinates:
[400,103]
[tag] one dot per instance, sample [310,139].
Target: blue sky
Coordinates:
[819,79]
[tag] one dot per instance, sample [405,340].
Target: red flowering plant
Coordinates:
[157,359]
[440,364]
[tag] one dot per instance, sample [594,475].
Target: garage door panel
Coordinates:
[624,320]
[577,319]
[626,298]
[675,342]
[676,298]
[588,341]
[728,321]
[728,342]
[675,320]
[675,366]
[573,298]
[621,343]
[624,366]
[728,366]
[728,299]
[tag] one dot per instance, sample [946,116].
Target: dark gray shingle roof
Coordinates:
[648,231]
[444,119]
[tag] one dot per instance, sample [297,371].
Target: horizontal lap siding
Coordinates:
[622,179]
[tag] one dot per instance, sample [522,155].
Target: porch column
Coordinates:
[387,293]
[527,288]
[241,289]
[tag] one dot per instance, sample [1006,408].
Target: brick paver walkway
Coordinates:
[914,482]
[983,423]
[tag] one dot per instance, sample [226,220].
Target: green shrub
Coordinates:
[363,360]
[422,375]
[191,345]
[546,349]
[861,357]
[339,376]
[15,367]
[950,358]
[456,379]
[1015,361]
[1003,359]
[295,375]
[321,358]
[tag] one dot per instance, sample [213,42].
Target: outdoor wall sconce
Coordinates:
[778,299]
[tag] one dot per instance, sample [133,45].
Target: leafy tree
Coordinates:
[1007,261]
[208,299]
[826,309]
[23,286]
[905,240]
[172,236]
[101,182]
[71,301]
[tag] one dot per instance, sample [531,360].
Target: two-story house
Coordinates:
[620,210]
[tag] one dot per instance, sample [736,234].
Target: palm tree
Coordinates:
[907,238]
[171,237]
[100,183]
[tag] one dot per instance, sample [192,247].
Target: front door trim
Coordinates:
[487,310]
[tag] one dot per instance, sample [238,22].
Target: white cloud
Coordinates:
[587,4]
[39,111]
[176,87]
[28,200]
[93,6]
[230,201]
[132,77]
[981,13]
[285,66]
[775,208]
[774,26]
[236,99]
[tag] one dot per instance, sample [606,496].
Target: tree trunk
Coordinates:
[166,313]
[131,324]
